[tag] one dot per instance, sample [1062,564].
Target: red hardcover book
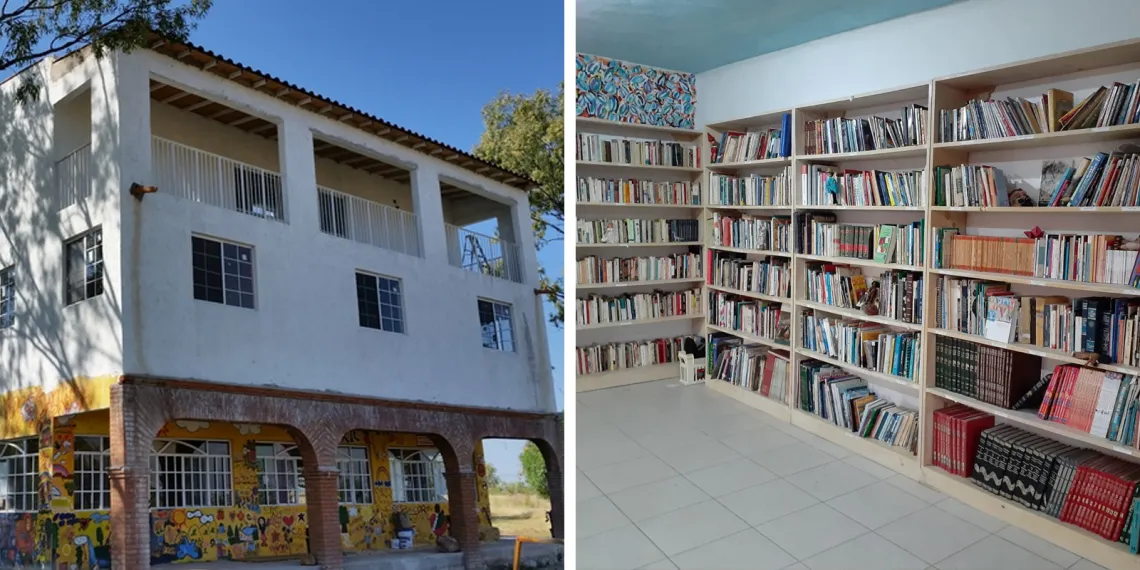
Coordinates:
[766,382]
[1043,411]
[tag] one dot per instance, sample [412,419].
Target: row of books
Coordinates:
[848,402]
[994,119]
[630,191]
[898,294]
[964,305]
[867,345]
[826,136]
[836,285]
[970,185]
[755,190]
[595,270]
[638,230]
[752,367]
[595,309]
[738,146]
[822,185]
[996,376]
[614,356]
[1100,403]
[1071,257]
[732,270]
[748,232]
[954,442]
[749,316]
[884,243]
[625,150]
[1104,179]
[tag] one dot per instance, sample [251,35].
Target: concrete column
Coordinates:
[324,519]
[132,431]
[299,174]
[523,232]
[462,493]
[429,210]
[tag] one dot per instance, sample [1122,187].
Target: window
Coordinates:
[354,486]
[333,212]
[223,272]
[495,320]
[258,193]
[190,474]
[7,297]
[279,474]
[417,476]
[380,302]
[19,460]
[92,484]
[85,266]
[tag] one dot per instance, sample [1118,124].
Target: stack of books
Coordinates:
[826,136]
[752,367]
[1087,258]
[970,185]
[835,285]
[977,120]
[866,345]
[748,232]
[992,375]
[626,191]
[596,310]
[737,146]
[1102,180]
[847,401]
[957,430]
[749,316]
[625,355]
[1096,402]
[990,254]
[885,243]
[636,230]
[594,270]
[900,296]
[753,190]
[624,150]
[734,271]
[1017,465]
[822,185]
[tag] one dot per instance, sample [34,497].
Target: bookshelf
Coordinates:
[1020,158]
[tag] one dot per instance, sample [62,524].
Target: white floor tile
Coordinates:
[768,501]
[690,527]
[586,488]
[876,505]
[599,515]
[1083,564]
[996,553]
[735,424]
[613,447]
[806,533]
[932,534]
[797,566]
[625,548]
[867,551]
[652,499]
[970,514]
[630,473]
[694,458]
[915,488]
[827,447]
[869,466]
[745,550]
[831,480]
[1042,548]
[784,461]
[729,477]
[663,564]
[759,441]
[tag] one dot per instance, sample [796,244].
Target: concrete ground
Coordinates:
[495,555]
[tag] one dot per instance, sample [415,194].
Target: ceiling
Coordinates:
[698,35]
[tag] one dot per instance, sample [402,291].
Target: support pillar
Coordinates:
[557,509]
[461,493]
[436,245]
[324,519]
[132,434]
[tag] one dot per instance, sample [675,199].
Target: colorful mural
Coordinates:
[615,90]
[29,411]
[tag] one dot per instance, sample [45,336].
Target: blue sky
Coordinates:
[428,66]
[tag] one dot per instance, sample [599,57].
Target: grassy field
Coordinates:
[520,514]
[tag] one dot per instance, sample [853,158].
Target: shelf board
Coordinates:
[859,262]
[1041,210]
[624,284]
[764,163]
[750,338]
[1028,418]
[747,208]
[880,154]
[752,251]
[751,294]
[1034,350]
[1098,134]
[639,322]
[586,123]
[862,208]
[749,398]
[619,205]
[892,457]
[903,383]
[1041,282]
[627,245]
[626,376]
[857,314]
[685,169]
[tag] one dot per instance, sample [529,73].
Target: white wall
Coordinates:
[953,39]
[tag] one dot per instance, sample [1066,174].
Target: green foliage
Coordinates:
[534,470]
[494,482]
[33,29]
[524,134]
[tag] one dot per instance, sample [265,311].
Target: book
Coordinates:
[615,356]
[1001,316]
[595,190]
[592,147]
[884,243]
[755,190]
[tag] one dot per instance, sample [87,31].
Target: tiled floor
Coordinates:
[673,476]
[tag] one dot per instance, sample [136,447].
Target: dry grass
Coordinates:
[520,514]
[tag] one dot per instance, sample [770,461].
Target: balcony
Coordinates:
[484,254]
[354,218]
[213,179]
[73,177]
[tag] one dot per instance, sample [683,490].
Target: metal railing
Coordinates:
[350,217]
[73,177]
[208,178]
[483,254]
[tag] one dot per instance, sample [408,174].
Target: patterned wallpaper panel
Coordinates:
[616,90]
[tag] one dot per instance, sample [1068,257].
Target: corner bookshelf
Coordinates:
[603,205]
[1020,158]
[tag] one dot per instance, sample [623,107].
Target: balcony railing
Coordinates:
[350,217]
[73,177]
[483,254]
[200,176]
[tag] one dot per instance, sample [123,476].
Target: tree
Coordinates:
[534,470]
[494,482]
[31,30]
[523,133]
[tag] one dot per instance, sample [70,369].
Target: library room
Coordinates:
[858,284]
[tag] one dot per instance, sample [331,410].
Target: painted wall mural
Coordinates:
[616,90]
[24,412]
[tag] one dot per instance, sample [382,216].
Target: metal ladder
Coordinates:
[473,256]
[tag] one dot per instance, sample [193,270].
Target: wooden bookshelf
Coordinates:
[632,284]
[750,294]
[635,167]
[640,322]
[620,205]
[750,251]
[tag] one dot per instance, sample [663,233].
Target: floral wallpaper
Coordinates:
[616,90]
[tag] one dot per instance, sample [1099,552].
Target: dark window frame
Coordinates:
[221,275]
[380,302]
[495,335]
[83,252]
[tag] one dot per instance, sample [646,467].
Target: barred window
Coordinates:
[18,467]
[92,483]
[354,486]
[279,474]
[190,474]
[417,476]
